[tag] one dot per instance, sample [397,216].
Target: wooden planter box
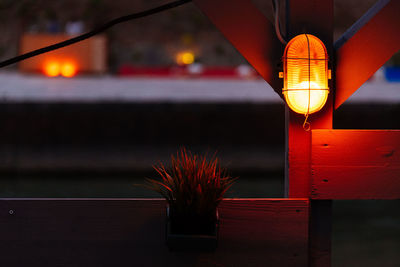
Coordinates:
[191,242]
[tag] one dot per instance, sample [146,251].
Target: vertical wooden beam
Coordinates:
[313,17]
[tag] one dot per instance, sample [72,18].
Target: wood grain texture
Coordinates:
[371,42]
[131,232]
[250,33]
[355,164]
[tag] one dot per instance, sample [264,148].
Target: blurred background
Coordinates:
[90,120]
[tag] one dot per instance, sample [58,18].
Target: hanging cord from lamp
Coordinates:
[277,24]
[306,124]
[94,32]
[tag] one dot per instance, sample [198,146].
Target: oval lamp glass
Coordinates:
[305,74]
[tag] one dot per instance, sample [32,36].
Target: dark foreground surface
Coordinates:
[365,233]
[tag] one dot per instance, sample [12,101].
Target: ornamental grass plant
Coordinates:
[193,187]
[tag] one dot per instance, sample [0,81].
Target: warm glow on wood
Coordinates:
[52,68]
[305,74]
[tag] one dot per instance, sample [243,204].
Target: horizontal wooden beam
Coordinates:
[355,164]
[365,47]
[131,232]
[250,32]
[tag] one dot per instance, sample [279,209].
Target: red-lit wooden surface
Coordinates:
[250,33]
[367,50]
[131,232]
[355,164]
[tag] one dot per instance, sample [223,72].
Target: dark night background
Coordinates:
[61,148]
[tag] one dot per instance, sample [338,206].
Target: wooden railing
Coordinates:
[131,232]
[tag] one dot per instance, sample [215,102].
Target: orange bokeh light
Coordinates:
[305,74]
[185,58]
[68,69]
[52,69]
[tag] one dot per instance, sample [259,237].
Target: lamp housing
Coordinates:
[305,74]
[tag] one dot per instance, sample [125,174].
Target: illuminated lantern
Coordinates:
[305,74]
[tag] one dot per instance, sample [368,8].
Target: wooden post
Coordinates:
[316,18]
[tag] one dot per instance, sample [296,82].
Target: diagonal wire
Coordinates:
[89,34]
